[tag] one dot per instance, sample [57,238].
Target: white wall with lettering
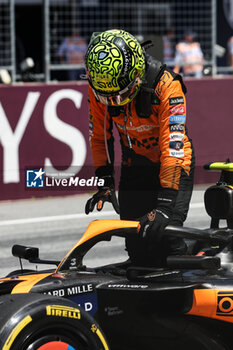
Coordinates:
[58,129]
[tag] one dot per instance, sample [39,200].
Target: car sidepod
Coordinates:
[144,315]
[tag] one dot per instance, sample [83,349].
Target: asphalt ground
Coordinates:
[55,224]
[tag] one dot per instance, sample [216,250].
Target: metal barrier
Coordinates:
[163,21]
[7,37]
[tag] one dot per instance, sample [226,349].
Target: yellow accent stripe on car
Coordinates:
[16,331]
[28,282]
[221,166]
[100,335]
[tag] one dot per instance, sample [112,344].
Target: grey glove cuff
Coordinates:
[166,200]
[108,182]
[105,170]
[105,173]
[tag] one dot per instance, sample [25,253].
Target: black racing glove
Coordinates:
[106,193]
[152,225]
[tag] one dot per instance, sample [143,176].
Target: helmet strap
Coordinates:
[147,44]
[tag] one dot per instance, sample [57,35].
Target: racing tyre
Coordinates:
[42,322]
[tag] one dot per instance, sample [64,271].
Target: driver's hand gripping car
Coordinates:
[146,102]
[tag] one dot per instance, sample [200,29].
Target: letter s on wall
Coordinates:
[65,132]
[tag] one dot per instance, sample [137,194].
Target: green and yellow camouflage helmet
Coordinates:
[115,65]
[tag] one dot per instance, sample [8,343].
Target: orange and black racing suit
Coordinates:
[156,152]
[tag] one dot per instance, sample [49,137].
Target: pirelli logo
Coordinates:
[63,311]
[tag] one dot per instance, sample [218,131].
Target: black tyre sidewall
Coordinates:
[29,317]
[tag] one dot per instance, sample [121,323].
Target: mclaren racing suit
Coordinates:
[156,151]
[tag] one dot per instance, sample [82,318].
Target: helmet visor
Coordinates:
[121,97]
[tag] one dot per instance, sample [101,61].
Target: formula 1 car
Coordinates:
[187,304]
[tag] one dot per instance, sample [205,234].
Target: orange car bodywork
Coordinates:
[213,303]
[207,301]
[94,229]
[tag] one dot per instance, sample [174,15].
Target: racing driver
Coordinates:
[146,102]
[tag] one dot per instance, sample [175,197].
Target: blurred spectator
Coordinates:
[189,51]
[169,47]
[230,51]
[72,51]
